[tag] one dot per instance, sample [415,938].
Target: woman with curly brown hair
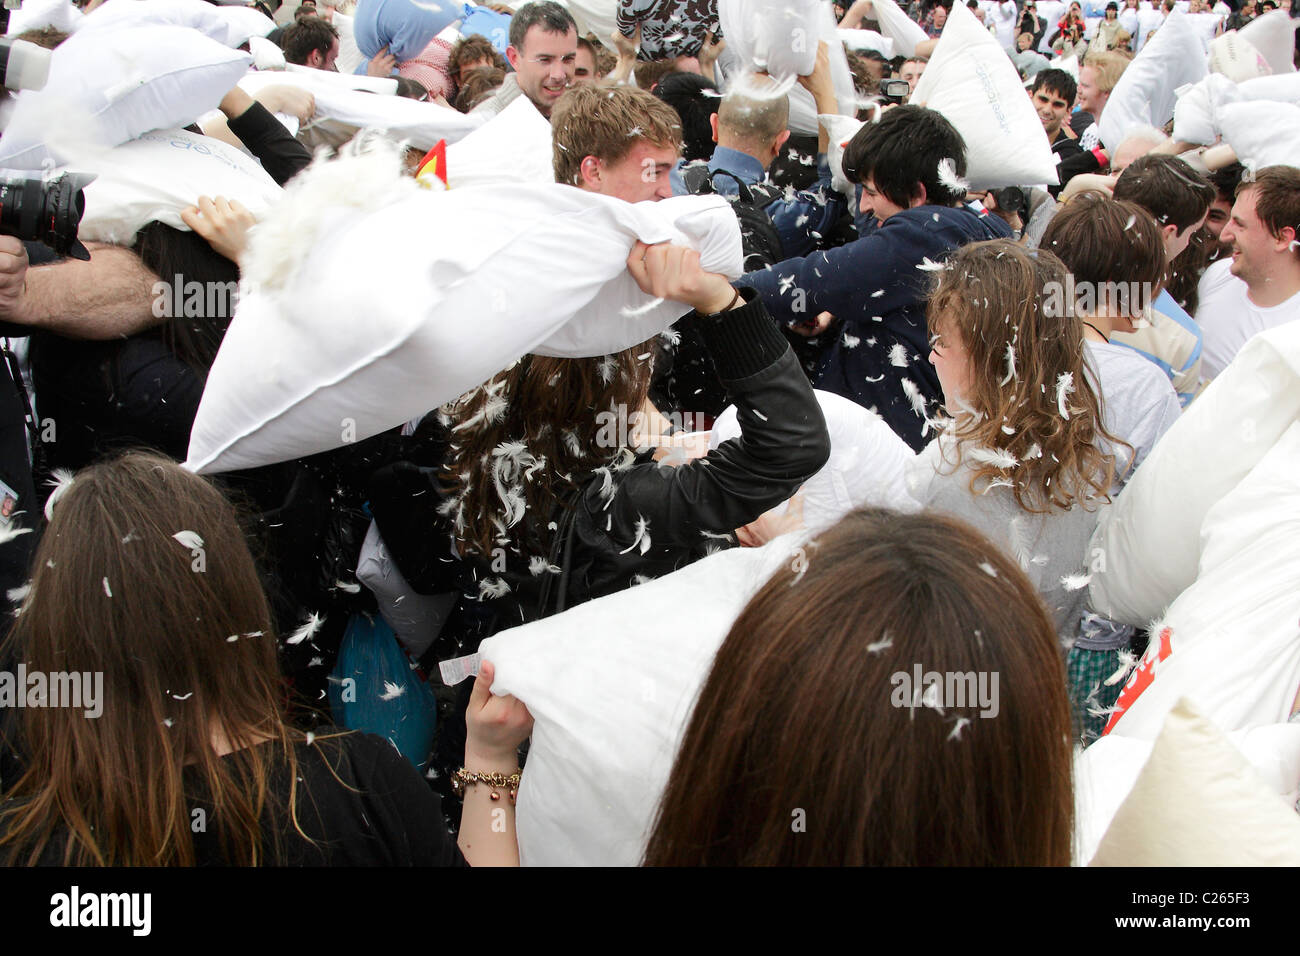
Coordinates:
[1021,459]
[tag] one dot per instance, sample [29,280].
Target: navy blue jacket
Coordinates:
[873,285]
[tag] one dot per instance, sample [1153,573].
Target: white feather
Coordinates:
[948,177]
[490,588]
[642,538]
[309,629]
[898,355]
[188,539]
[998,457]
[1011,365]
[392,691]
[1075,582]
[914,396]
[1126,664]
[926,265]
[60,480]
[1064,386]
[107,589]
[9,530]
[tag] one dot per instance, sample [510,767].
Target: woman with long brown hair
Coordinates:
[896,697]
[145,592]
[1022,458]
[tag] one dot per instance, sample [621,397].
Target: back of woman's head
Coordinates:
[819,739]
[1028,407]
[143,577]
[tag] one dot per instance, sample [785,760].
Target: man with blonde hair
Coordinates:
[617,141]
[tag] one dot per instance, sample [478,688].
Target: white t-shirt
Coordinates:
[1138,403]
[1228,319]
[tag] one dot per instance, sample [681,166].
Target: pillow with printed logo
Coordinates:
[159,174]
[109,86]
[1273,35]
[372,301]
[970,80]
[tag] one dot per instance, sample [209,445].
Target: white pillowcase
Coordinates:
[38,14]
[1144,95]
[514,146]
[1273,35]
[971,81]
[839,130]
[372,301]
[157,175]
[898,26]
[867,40]
[109,86]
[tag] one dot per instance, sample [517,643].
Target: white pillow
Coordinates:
[1198,802]
[229,25]
[1261,133]
[594,16]
[611,689]
[1148,20]
[514,146]
[781,38]
[266,55]
[972,83]
[867,40]
[898,26]
[1194,111]
[1237,58]
[420,124]
[157,175]
[839,130]
[1144,95]
[1105,772]
[866,466]
[1070,64]
[38,14]
[110,86]
[372,301]
[1273,35]
[1150,537]
[1229,641]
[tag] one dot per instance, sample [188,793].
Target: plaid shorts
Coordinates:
[1086,672]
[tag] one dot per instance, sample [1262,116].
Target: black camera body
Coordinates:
[47,211]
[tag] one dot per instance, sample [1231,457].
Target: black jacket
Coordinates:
[645,519]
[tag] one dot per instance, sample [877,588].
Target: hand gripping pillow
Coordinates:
[1230,642]
[866,466]
[973,84]
[421,125]
[1144,95]
[1273,35]
[371,301]
[1199,802]
[231,26]
[611,685]
[781,38]
[109,86]
[898,26]
[1151,536]
[512,147]
[161,173]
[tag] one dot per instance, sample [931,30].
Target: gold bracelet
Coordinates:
[463,778]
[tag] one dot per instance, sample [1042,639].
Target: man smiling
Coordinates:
[543,52]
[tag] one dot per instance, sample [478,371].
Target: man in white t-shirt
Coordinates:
[1259,288]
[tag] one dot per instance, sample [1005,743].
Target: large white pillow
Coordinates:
[157,175]
[1261,133]
[110,86]
[1230,642]
[898,26]
[1149,540]
[1198,801]
[371,301]
[611,688]
[514,146]
[229,25]
[972,83]
[1144,95]
[866,467]
[867,40]
[1273,35]
[420,124]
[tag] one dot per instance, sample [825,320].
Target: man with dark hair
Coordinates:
[1052,94]
[543,50]
[910,166]
[1225,180]
[311,42]
[1178,197]
[695,100]
[1259,287]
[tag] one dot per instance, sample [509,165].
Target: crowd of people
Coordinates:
[1025,347]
